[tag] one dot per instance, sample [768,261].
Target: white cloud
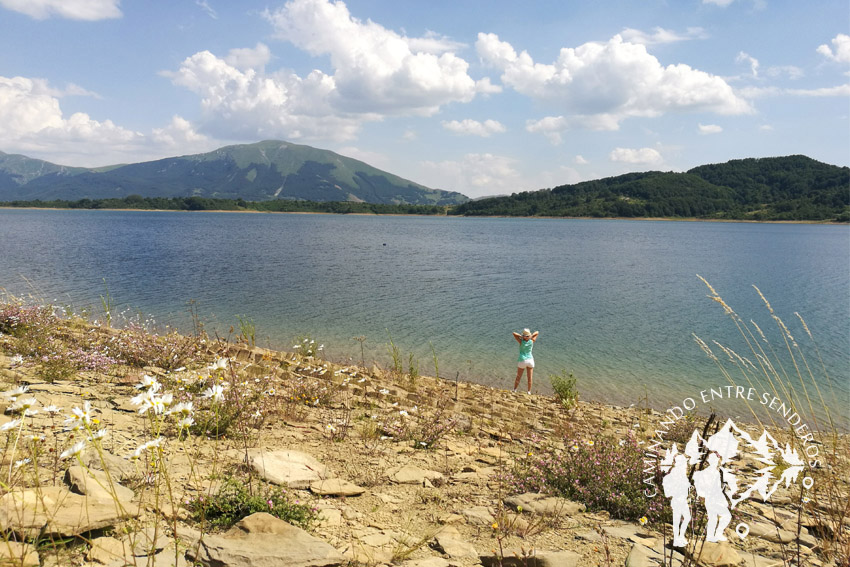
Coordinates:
[71,9]
[476,175]
[31,119]
[579,159]
[749,60]
[249,57]
[791,71]
[709,129]
[721,3]
[469,127]
[641,156]
[247,104]
[204,5]
[376,69]
[840,50]
[597,85]
[660,35]
[762,92]
[180,135]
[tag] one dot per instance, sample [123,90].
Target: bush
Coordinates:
[235,500]
[564,385]
[606,474]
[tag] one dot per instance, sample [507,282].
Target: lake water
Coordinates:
[616,302]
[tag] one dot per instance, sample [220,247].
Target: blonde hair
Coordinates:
[526,332]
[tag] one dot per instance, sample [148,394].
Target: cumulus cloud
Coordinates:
[469,127]
[249,57]
[597,85]
[580,160]
[640,156]
[763,92]
[661,35]
[71,9]
[709,129]
[376,69]
[180,134]
[247,104]
[477,175]
[840,50]
[31,118]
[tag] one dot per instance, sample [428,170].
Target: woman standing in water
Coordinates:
[526,360]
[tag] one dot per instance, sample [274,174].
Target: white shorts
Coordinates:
[525,363]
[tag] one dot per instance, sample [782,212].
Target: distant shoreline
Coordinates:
[657,219]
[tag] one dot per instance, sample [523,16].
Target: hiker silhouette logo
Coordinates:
[730,467]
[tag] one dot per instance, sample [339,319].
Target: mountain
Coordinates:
[781,188]
[254,172]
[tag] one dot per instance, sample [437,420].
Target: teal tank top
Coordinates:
[525,350]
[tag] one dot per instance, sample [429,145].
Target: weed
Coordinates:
[564,385]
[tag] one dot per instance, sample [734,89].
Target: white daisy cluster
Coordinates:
[150,399]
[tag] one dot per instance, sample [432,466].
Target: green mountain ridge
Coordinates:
[263,171]
[778,188]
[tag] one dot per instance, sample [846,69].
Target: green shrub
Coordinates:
[235,500]
[564,385]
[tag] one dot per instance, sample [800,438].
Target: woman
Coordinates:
[526,361]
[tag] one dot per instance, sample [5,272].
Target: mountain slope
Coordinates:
[254,172]
[783,188]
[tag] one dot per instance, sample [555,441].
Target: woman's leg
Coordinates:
[518,377]
[529,371]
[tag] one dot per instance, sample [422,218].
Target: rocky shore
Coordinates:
[379,500]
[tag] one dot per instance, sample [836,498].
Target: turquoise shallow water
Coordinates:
[616,302]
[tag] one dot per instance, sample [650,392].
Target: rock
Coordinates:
[96,484]
[330,518]
[18,554]
[293,468]
[335,487]
[261,540]
[410,474]
[449,541]
[639,556]
[534,503]
[751,560]
[58,512]
[120,469]
[770,532]
[430,562]
[108,549]
[714,554]
[450,519]
[479,515]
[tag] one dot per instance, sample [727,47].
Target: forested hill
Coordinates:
[782,188]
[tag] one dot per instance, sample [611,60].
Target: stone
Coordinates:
[120,469]
[292,468]
[429,562]
[449,541]
[18,554]
[56,511]
[108,549]
[96,484]
[411,474]
[639,556]
[450,519]
[261,540]
[330,518]
[714,554]
[751,560]
[770,532]
[534,503]
[335,487]
[479,515]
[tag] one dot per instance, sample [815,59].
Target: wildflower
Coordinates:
[384,391]
[806,499]
[331,428]
[52,409]
[643,520]
[99,434]
[80,416]
[589,442]
[183,408]
[403,413]
[10,425]
[73,451]
[15,392]
[145,446]
[17,360]
[23,405]
[188,421]
[149,384]
[214,392]
[218,364]
[495,526]
[22,462]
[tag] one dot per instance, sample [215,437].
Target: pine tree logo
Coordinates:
[721,483]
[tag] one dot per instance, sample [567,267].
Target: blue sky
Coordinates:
[481,97]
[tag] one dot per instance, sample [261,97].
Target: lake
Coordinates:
[616,302]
